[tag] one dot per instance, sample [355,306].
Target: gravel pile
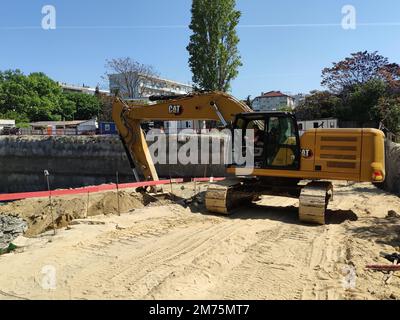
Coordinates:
[10,228]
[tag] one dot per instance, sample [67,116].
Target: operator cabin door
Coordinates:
[282,143]
[256,123]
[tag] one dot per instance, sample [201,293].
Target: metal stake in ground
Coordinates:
[170,180]
[87,205]
[47,174]
[119,213]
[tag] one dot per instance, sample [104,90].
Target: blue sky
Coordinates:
[284,44]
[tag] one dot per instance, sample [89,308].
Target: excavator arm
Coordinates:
[216,106]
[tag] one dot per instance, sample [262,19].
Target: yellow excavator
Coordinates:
[285,163]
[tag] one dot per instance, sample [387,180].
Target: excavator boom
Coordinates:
[215,106]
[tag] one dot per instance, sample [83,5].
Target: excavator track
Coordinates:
[314,198]
[226,196]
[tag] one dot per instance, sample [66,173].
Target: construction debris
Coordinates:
[394,257]
[10,229]
[384,267]
[393,214]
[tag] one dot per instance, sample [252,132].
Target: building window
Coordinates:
[300,125]
[316,125]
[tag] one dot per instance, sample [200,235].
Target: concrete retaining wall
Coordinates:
[392,183]
[82,160]
[74,161]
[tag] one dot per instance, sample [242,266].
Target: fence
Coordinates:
[49,132]
[76,132]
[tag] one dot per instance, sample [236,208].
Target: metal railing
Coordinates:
[48,132]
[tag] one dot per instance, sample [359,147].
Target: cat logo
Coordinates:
[175,109]
[306,153]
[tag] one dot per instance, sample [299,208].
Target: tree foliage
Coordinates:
[360,68]
[86,106]
[36,97]
[388,109]
[364,88]
[214,57]
[318,105]
[360,103]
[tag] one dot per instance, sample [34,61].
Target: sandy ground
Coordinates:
[167,251]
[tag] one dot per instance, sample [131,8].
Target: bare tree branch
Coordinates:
[129,76]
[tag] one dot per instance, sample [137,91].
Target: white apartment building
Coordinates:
[148,86]
[272,101]
[81,89]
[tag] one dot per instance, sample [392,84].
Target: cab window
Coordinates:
[282,145]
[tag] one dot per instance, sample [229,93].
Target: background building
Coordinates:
[6,124]
[298,98]
[272,101]
[81,89]
[147,86]
[64,127]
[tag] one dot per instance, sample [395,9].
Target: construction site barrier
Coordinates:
[92,189]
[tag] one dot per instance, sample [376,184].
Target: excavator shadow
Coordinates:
[288,214]
[385,230]
[365,189]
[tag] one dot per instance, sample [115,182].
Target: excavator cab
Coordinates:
[276,139]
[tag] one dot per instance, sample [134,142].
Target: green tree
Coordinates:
[214,57]
[35,97]
[318,105]
[18,117]
[14,93]
[368,86]
[388,109]
[45,98]
[360,68]
[360,104]
[86,106]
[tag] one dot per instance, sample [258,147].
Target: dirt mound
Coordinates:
[39,214]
